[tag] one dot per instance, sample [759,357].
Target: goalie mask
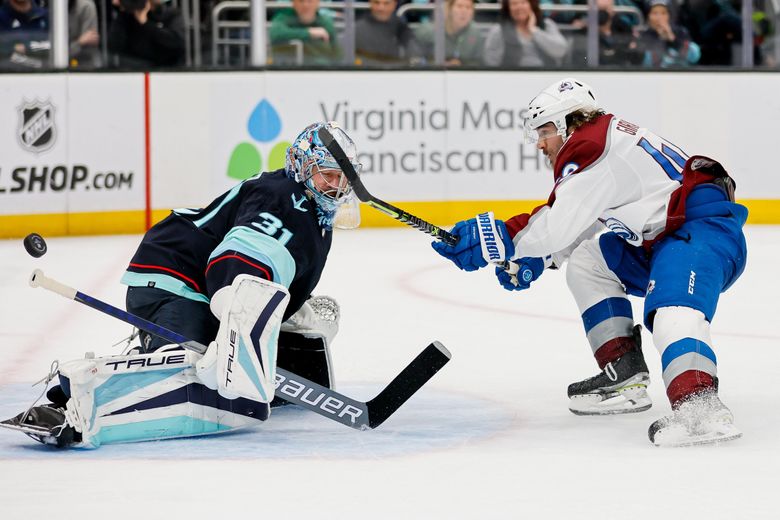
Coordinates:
[556,102]
[309,162]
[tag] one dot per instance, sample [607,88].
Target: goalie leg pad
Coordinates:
[242,358]
[147,397]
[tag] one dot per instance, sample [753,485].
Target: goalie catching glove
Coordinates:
[241,361]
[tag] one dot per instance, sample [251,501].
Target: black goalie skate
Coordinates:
[620,388]
[46,424]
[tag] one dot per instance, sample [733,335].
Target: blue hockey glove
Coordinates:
[528,270]
[470,253]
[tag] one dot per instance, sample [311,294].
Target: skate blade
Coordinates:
[12,424]
[680,438]
[38,433]
[632,399]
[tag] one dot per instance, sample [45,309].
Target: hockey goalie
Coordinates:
[237,276]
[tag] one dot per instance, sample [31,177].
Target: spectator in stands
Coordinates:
[383,38]
[83,34]
[146,34]
[24,34]
[665,44]
[463,41]
[523,38]
[715,25]
[617,38]
[304,22]
[578,19]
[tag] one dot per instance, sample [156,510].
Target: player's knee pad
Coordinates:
[305,339]
[241,361]
[147,397]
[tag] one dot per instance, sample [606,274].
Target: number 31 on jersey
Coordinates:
[272,226]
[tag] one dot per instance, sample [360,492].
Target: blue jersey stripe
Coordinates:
[606,309]
[661,159]
[686,346]
[261,247]
[673,155]
[228,197]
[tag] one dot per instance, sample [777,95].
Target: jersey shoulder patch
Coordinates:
[585,146]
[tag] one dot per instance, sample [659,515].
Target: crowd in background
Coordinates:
[521,33]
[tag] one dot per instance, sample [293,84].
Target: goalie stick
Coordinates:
[291,387]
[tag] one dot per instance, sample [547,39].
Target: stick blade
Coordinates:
[344,163]
[410,380]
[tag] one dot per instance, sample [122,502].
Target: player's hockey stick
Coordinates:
[398,214]
[385,207]
[291,387]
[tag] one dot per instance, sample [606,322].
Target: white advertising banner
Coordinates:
[71,143]
[432,136]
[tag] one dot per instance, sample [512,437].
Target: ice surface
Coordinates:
[489,437]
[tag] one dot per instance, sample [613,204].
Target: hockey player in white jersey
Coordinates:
[632,213]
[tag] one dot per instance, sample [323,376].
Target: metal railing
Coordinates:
[236,36]
[233,37]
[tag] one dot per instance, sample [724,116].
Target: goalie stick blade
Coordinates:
[405,384]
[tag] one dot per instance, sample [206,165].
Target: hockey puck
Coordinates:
[35,245]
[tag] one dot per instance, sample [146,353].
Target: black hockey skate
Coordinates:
[46,424]
[700,419]
[620,388]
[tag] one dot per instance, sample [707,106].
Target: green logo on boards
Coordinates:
[264,126]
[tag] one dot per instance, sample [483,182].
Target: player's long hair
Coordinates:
[579,118]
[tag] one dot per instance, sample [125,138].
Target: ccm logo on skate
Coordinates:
[174,359]
[486,224]
[316,398]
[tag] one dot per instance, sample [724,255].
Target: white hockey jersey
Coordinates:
[613,172]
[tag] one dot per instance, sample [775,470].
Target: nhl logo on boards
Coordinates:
[36,130]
